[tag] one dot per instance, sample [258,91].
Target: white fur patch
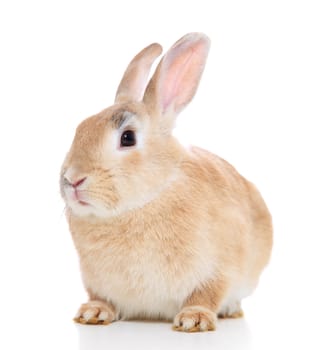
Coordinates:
[104,315]
[232,302]
[142,283]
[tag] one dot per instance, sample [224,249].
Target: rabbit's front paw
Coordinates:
[96,312]
[195,319]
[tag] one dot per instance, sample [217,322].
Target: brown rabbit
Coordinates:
[162,231]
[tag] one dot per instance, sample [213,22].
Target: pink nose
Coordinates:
[74,184]
[67,181]
[79,182]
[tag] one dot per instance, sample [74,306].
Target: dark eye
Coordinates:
[128,139]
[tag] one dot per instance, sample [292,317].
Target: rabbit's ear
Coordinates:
[177,76]
[135,78]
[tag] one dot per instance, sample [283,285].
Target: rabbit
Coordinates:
[163,231]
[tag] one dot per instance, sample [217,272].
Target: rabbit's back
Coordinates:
[240,218]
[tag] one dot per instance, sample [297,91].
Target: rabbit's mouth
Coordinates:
[78,197]
[82,203]
[80,206]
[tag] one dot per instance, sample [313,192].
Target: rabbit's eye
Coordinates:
[128,139]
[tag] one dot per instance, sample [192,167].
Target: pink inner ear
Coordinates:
[174,77]
[180,75]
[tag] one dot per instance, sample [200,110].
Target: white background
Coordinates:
[60,61]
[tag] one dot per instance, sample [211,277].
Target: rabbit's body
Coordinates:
[162,231]
[147,268]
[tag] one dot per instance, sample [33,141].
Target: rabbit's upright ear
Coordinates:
[135,78]
[176,78]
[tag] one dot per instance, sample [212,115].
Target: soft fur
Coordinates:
[162,231]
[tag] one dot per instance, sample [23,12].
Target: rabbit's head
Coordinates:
[125,156]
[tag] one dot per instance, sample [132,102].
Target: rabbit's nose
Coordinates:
[79,182]
[73,183]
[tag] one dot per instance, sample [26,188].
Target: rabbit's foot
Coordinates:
[195,319]
[236,314]
[232,310]
[96,312]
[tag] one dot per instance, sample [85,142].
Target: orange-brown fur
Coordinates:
[176,232]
